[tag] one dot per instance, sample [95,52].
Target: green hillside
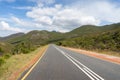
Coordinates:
[85,37]
[95,38]
[7,38]
[104,41]
[43,37]
[85,30]
[24,43]
[5,48]
[89,30]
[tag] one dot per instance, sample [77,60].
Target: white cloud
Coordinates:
[44,15]
[89,20]
[37,12]
[104,10]
[43,1]
[4,19]
[25,23]
[6,27]
[51,16]
[70,16]
[109,12]
[61,17]
[21,22]
[23,7]
[18,21]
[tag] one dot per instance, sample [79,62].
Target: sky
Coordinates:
[55,15]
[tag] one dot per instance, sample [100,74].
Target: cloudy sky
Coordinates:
[59,15]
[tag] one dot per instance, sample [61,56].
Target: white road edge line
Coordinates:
[80,68]
[76,64]
[96,77]
[86,70]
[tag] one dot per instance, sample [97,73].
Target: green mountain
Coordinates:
[88,30]
[95,38]
[7,38]
[43,37]
[37,38]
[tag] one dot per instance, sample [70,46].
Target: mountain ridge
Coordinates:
[38,38]
[45,36]
[11,36]
[82,30]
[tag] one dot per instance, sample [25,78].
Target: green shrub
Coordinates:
[1,49]
[6,56]
[24,50]
[2,61]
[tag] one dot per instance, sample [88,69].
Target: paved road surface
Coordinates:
[62,64]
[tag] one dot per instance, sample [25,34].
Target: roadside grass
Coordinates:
[112,53]
[106,52]
[17,62]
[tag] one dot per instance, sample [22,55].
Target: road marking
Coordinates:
[33,66]
[92,75]
[86,68]
[80,68]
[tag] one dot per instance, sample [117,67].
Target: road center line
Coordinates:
[92,75]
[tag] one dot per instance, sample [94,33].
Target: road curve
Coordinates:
[58,63]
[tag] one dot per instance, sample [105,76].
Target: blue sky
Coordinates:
[60,15]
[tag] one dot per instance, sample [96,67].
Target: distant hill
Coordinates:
[94,38]
[44,37]
[35,37]
[27,42]
[87,30]
[0,38]
[11,36]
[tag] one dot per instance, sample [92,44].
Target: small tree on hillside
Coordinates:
[1,49]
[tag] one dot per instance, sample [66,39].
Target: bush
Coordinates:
[1,49]
[6,56]
[24,50]
[23,47]
[2,61]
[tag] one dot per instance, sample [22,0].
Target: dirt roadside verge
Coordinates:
[109,58]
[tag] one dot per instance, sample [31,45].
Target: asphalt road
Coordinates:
[61,64]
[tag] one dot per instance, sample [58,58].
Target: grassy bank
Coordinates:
[18,62]
[106,52]
[112,53]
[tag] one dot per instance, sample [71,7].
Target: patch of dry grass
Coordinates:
[16,62]
[112,53]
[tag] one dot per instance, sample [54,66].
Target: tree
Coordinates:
[1,49]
